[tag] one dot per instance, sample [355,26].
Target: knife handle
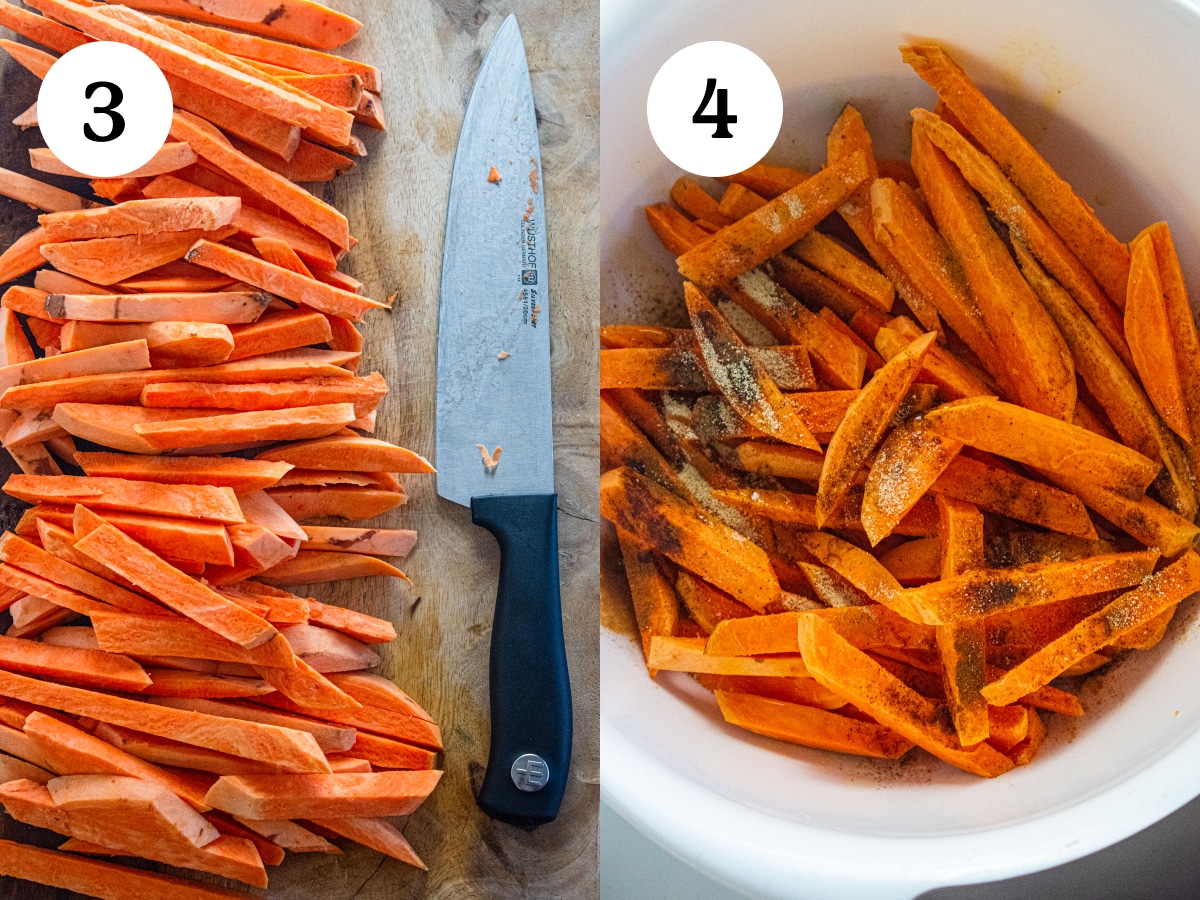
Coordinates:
[530,753]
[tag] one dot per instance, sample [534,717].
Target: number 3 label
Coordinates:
[105,109]
[737,93]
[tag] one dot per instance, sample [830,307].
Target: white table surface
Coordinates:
[1159,863]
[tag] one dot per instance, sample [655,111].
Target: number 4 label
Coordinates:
[105,109]
[716,72]
[722,119]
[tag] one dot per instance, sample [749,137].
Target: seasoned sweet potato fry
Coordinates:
[1113,385]
[1026,436]
[1001,492]
[1128,612]
[667,524]
[851,673]
[678,654]
[654,602]
[910,461]
[1010,206]
[1071,218]
[864,424]
[1038,364]
[680,368]
[984,592]
[744,383]
[810,726]
[763,234]
[849,136]
[1149,332]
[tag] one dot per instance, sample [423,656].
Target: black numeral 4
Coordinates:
[722,119]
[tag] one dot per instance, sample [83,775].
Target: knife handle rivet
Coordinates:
[530,773]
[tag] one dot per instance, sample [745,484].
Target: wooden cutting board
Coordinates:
[429,51]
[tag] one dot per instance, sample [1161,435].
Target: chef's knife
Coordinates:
[493,390]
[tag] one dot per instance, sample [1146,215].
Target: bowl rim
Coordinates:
[750,850]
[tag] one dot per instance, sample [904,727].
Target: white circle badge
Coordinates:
[714,108]
[104,109]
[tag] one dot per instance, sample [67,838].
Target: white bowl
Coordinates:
[1108,92]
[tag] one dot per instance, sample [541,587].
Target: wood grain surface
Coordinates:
[429,51]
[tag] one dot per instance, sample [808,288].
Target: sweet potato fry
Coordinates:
[247,427]
[101,879]
[175,683]
[1113,385]
[763,234]
[336,796]
[241,475]
[109,260]
[680,368]
[217,504]
[984,592]
[303,22]
[678,654]
[155,636]
[811,726]
[1011,207]
[141,217]
[280,281]
[826,255]
[667,524]
[1070,217]
[848,136]
[170,344]
[1148,329]
[223,308]
[163,751]
[744,383]
[303,206]
[293,750]
[320,566]
[697,203]
[838,360]
[1183,328]
[1148,522]
[1035,439]
[673,229]
[1128,612]
[864,424]
[854,675]
[331,738]
[962,645]
[150,572]
[1037,362]
[910,461]
[37,194]
[349,454]
[170,157]
[1006,494]
[655,604]
[932,267]
[23,255]
[860,569]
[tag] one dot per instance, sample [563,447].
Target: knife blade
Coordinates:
[493,390]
